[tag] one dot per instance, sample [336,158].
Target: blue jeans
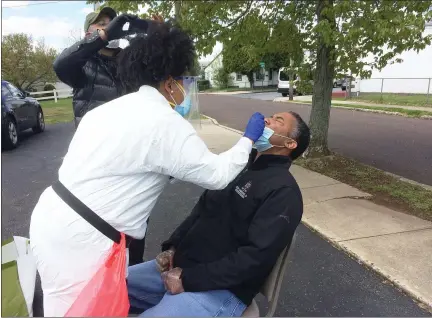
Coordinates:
[147,293]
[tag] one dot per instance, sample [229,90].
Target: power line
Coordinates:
[31,4]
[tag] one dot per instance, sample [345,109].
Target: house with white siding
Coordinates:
[268,78]
[412,76]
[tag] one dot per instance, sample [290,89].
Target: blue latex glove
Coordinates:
[255,127]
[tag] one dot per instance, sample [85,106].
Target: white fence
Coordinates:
[55,94]
[394,85]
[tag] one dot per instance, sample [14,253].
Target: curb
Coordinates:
[423,303]
[400,286]
[378,111]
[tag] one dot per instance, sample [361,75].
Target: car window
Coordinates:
[5,93]
[15,91]
[283,76]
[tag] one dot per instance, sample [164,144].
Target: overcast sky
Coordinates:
[58,22]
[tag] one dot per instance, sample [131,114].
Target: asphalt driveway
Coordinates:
[320,280]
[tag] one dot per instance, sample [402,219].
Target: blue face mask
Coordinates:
[184,108]
[263,142]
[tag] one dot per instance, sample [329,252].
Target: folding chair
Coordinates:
[272,285]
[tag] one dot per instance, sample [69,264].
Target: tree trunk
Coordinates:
[250,79]
[291,88]
[291,80]
[349,83]
[323,86]
[177,12]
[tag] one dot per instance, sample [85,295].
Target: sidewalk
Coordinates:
[397,245]
[308,100]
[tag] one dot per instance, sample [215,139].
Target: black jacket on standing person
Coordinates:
[233,237]
[91,75]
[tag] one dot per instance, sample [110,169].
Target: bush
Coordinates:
[304,87]
[222,78]
[48,87]
[203,84]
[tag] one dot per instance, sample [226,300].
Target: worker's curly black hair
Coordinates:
[151,58]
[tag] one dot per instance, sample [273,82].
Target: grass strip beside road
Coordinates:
[385,189]
[60,112]
[393,99]
[403,111]
[413,113]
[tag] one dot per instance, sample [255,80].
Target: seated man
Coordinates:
[217,260]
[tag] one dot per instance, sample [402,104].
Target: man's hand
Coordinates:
[172,281]
[164,261]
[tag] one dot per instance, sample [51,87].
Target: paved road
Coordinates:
[320,280]
[270,96]
[260,96]
[396,144]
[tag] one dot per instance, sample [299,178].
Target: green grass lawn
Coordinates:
[407,112]
[392,99]
[60,112]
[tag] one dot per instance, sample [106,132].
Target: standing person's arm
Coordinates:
[69,64]
[178,151]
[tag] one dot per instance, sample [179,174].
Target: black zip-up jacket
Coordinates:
[233,237]
[90,74]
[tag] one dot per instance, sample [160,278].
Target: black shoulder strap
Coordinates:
[86,213]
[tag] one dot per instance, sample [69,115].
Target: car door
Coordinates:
[21,108]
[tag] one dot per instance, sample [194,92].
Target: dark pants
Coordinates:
[136,250]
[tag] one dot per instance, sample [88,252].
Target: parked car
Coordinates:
[283,83]
[19,112]
[342,83]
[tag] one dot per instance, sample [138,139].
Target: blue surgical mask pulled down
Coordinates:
[263,143]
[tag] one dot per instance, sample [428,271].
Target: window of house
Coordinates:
[270,74]
[239,77]
[259,76]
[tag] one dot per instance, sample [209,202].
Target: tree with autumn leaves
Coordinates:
[24,62]
[339,36]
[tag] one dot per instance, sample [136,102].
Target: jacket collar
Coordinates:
[265,161]
[150,93]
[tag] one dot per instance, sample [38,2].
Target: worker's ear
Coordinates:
[168,85]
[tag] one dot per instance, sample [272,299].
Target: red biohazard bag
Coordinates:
[106,294]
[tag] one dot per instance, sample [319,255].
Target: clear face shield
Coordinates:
[189,108]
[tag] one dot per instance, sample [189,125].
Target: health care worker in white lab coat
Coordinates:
[120,159]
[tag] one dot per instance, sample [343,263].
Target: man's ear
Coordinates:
[290,144]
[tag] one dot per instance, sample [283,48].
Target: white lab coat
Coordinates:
[117,164]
